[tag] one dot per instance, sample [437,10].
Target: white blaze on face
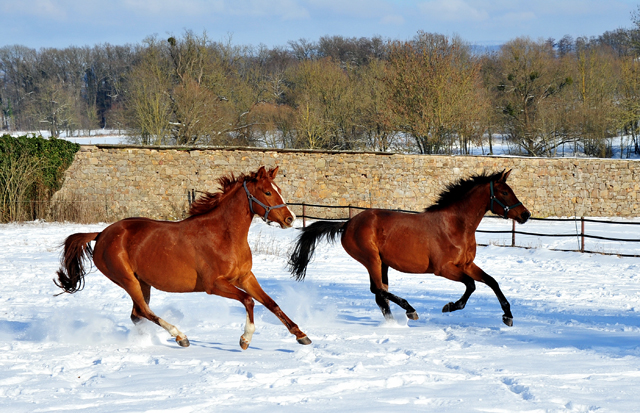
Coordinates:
[275,188]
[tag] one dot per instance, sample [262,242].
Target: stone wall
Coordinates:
[126,181]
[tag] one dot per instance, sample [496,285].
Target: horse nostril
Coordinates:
[525,216]
[288,220]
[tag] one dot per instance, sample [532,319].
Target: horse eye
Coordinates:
[504,193]
[268,193]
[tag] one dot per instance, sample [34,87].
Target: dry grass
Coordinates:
[72,208]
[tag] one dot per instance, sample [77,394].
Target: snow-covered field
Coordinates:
[574,346]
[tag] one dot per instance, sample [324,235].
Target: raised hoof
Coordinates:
[412,315]
[448,308]
[182,342]
[507,320]
[304,340]
[244,344]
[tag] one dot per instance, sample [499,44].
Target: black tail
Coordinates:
[76,251]
[306,244]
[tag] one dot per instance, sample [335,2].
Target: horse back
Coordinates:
[411,243]
[170,256]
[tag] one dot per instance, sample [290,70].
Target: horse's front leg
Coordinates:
[252,287]
[462,302]
[478,274]
[454,273]
[220,286]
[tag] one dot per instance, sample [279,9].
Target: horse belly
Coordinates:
[174,277]
[409,257]
[408,265]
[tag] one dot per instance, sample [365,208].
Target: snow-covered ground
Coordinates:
[574,346]
[500,146]
[94,137]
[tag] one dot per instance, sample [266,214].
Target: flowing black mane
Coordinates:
[456,191]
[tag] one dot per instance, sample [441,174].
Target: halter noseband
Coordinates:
[253,199]
[505,208]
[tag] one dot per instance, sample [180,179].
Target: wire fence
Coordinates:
[583,229]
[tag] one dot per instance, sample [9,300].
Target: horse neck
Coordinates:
[232,211]
[473,207]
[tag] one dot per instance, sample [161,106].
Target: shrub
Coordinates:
[31,170]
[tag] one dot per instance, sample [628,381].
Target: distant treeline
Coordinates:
[431,94]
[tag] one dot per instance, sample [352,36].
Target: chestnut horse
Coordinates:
[441,240]
[206,252]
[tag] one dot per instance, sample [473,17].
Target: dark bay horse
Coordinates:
[441,240]
[207,252]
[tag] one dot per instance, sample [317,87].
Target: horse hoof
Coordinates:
[304,340]
[507,320]
[182,342]
[448,308]
[412,315]
[244,344]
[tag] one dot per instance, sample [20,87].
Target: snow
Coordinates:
[574,346]
[620,146]
[94,137]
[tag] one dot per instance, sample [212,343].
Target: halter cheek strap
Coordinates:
[253,199]
[505,208]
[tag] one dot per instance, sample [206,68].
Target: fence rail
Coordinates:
[581,234]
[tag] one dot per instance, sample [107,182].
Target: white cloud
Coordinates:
[453,10]
[171,7]
[284,9]
[37,8]
[353,8]
[213,9]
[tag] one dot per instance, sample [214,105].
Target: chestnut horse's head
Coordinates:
[504,202]
[266,200]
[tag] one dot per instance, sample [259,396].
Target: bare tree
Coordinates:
[148,107]
[527,78]
[430,83]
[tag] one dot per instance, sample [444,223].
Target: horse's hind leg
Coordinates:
[140,293]
[252,287]
[478,274]
[379,282]
[379,285]
[146,293]
[382,302]
[120,273]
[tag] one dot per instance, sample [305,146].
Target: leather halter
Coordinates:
[253,199]
[505,208]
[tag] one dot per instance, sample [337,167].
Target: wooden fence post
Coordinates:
[304,215]
[513,233]
[582,234]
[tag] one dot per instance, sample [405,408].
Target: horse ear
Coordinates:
[262,173]
[505,175]
[273,172]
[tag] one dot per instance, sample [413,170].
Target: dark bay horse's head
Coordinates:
[504,202]
[266,200]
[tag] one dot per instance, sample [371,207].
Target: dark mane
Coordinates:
[208,200]
[456,191]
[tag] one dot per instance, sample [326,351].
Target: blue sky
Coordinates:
[62,23]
